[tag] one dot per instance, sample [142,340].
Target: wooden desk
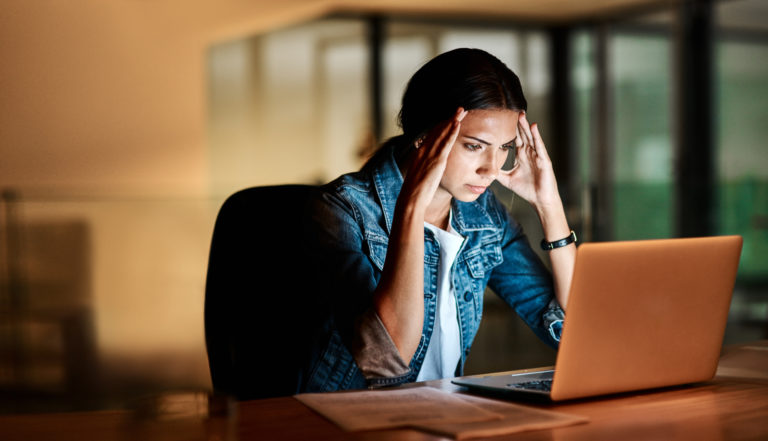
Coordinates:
[733,406]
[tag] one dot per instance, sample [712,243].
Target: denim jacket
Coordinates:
[350,227]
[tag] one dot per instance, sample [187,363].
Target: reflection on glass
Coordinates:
[741,88]
[742,94]
[640,80]
[290,106]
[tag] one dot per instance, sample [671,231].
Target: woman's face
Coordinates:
[485,140]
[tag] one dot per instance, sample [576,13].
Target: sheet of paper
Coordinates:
[515,418]
[407,407]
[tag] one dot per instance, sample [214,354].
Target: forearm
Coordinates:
[399,296]
[398,299]
[555,226]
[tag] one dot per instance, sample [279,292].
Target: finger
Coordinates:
[525,138]
[450,132]
[519,141]
[521,158]
[528,153]
[445,127]
[434,139]
[526,129]
[541,149]
[461,113]
[451,138]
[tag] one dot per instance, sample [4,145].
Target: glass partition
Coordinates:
[289,106]
[641,105]
[741,94]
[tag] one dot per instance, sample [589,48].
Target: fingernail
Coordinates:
[462,114]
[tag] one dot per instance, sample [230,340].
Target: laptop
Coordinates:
[641,314]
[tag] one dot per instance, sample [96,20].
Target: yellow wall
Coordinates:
[103,123]
[108,97]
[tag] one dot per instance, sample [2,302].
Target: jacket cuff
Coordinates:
[553,319]
[376,354]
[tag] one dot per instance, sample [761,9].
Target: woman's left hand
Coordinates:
[533,179]
[532,176]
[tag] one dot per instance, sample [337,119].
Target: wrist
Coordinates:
[553,221]
[559,243]
[408,224]
[546,207]
[409,209]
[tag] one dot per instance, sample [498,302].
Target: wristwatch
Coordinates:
[548,246]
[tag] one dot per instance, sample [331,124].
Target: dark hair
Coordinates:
[468,78]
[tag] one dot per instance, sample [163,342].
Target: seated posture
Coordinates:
[403,249]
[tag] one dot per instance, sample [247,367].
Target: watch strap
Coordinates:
[548,246]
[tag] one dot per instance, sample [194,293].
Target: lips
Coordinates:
[476,189]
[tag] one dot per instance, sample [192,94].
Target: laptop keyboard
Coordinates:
[542,385]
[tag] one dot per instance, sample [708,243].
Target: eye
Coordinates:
[473,147]
[507,147]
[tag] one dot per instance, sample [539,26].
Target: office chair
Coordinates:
[258,317]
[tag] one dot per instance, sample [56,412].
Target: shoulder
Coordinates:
[350,184]
[350,199]
[347,191]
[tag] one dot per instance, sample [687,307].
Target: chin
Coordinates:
[466,197]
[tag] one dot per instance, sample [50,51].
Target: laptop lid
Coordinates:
[645,314]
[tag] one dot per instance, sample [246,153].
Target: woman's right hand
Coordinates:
[399,297]
[428,162]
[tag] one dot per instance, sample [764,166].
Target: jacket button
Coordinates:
[467,296]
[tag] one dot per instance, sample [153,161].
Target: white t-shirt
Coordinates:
[444,350]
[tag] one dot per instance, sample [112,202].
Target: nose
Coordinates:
[490,164]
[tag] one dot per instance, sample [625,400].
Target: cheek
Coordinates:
[448,174]
[457,165]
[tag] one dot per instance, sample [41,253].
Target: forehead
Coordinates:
[494,126]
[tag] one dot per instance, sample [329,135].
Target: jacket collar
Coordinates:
[387,180]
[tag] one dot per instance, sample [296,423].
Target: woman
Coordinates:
[406,246]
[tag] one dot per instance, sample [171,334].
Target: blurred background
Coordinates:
[124,124]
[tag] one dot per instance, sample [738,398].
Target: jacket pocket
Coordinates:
[377,249]
[480,261]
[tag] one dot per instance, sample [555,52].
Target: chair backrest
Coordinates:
[256,321]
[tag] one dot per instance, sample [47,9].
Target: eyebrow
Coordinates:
[482,141]
[478,140]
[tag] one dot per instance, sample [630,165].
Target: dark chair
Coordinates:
[257,317]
